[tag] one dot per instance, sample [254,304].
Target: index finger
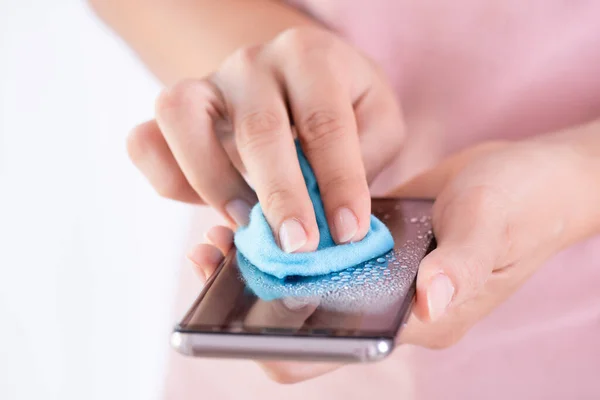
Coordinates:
[265,143]
[321,98]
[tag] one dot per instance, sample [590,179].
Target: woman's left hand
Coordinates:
[501,210]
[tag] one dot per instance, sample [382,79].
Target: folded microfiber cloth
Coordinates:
[257,244]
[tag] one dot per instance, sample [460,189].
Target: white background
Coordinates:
[88,253]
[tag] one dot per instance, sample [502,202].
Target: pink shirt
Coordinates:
[467,71]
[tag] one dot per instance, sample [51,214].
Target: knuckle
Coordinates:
[295,39]
[321,128]
[256,129]
[184,95]
[248,55]
[298,42]
[242,58]
[338,180]
[277,198]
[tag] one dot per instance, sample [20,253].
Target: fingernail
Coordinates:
[439,295]
[346,225]
[291,235]
[239,211]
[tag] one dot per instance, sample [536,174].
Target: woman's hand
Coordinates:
[502,209]
[210,132]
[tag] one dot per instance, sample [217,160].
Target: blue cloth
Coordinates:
[351,281]
[374,286]
[258,246]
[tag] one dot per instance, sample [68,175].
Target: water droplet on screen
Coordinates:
[381,260]
[414,220]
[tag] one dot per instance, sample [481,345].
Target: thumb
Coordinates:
[471,231]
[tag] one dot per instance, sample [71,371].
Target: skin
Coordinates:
[241,113]
[246,131]
[491,232]
[490,239]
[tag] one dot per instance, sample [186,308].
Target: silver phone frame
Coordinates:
[267,347]
[291,347]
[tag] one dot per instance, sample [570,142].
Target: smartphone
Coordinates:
[353,315]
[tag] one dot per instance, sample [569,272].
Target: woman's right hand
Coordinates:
[209,133]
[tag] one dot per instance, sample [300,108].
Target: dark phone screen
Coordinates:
[370,299]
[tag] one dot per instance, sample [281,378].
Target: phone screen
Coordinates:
[370,299]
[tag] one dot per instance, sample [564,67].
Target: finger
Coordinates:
[206,258]
[221,237]
[150,153]
[471,227]
[321,101]
[266,147]
[213,310]
[186,114]
[289,372]
[441,333]
[456,322]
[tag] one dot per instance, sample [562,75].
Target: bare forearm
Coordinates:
[180,39]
